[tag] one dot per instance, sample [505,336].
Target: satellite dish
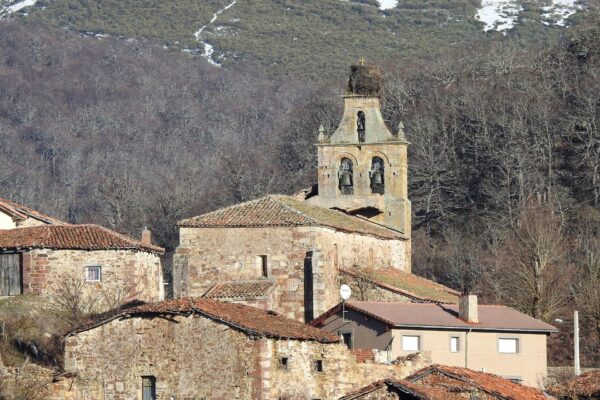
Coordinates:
[345,292]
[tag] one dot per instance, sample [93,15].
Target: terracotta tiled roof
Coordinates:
[494,385]
[77,237]
[428,315]
[21,212]
[279,210]
[241,290]
[251,320]
[421,392]
[406,284]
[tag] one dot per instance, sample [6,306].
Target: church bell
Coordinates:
[377,177]
[346,181]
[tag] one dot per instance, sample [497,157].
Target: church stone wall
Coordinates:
[207,256]
[136,274]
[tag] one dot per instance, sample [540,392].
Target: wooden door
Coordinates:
[11,274]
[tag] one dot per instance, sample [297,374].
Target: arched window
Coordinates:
[377,175]
[360,126]
[346,178]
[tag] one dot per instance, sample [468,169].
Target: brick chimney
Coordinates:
[467,308]
[146,236]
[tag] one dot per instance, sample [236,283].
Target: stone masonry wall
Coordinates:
[190,357]
[207,256]
[138,274]
[341,372]
[197,358]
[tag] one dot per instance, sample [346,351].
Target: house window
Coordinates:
[284,363]
[411,343]
[347,337]
[93,274]
[454,344]
[264,266]
[318,365]
[148,388]
[508,345]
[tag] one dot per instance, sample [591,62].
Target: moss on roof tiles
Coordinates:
[280,210]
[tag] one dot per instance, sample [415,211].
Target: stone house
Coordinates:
[440,382]
[40,259]
[212,350]
[294,248]
[13,215]
[492,338]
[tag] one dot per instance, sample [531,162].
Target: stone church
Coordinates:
[290,254]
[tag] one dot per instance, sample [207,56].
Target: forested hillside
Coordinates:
[504,162]
[310,39]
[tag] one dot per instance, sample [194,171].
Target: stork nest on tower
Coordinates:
[365,80]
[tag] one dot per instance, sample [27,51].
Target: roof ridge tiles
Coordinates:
[253,321]
[71,236]
[278,210]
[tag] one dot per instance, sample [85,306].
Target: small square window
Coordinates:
[508,345]
[318,365]
[454,344]
[93,274]
[284,363]
[411,343]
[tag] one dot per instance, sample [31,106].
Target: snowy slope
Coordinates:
[9,7]
[501,15]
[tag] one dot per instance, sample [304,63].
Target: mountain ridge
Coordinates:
[311,39]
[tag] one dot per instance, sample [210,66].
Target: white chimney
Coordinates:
[146,236]
[467,308]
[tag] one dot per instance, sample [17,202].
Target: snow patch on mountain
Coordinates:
[209,50]
[499,15]
[560,10]
[16,7]
[387,4]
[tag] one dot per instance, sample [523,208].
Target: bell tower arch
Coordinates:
[376,187]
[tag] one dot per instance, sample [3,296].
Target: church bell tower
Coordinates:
[363,167]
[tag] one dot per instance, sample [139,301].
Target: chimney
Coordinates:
[146,236]
[467,308]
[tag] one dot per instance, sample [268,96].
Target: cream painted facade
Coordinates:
[477,350]
[6,221]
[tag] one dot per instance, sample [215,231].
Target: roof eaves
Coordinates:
[13,212]
[473,328]
[370,314]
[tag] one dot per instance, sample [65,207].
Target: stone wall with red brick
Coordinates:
[137,274]
[206,256]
